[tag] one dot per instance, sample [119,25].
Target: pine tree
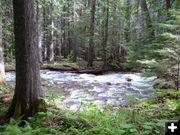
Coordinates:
[27,90]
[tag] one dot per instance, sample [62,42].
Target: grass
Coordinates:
[145,117]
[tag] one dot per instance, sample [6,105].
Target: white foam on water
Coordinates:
[107,88]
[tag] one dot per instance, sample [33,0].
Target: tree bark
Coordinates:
[178,74]
[50,42]
[150,30]
[69,31]
[40,34]
[105,37]
[44,27]
[27,89]
[91,41]
[63,29]
[75,46]
[168,4]
[128,17]
[2,72]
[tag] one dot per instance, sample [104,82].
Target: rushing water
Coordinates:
[112,88]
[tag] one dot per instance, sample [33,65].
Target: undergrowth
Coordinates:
[146,117]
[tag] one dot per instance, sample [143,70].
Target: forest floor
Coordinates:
[146,116]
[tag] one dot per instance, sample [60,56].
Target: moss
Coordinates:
[164,84]
[42,106]
[55,91]
[2,75]
[17,111]
[4,87]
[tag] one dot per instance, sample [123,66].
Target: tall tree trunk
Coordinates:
[63,39]
[50,42]
[2,73]
[168,4]
[44,29]
[105,37]
[178,74]
[127,16]
[40,34]
[150,30]
[91,41]
[58,40]
[28,89]
[69,33]
[75,46]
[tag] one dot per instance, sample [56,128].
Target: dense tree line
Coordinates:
[122,33]
[92,29]
[118,32]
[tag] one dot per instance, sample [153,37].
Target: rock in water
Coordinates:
[128,79]
[108,83]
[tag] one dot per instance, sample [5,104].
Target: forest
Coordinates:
[85,67]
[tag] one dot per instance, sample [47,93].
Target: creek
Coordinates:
[73,89]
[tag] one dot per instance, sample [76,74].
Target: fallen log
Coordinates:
[70,69]
[70,66]
[80,71]
[9,68]
[95,72]
[56,68]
